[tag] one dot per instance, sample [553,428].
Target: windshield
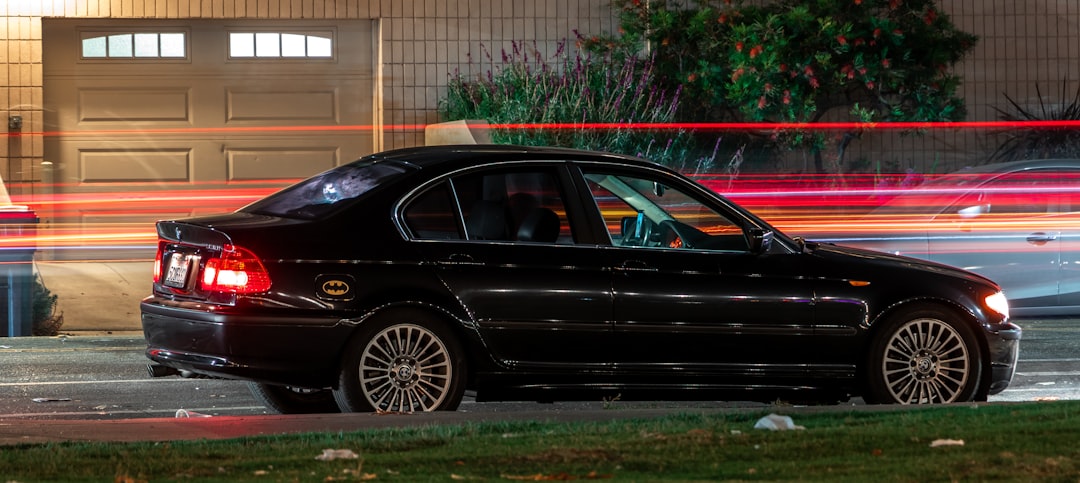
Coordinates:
[322,193]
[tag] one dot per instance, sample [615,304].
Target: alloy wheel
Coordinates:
[405,368]
[926,361]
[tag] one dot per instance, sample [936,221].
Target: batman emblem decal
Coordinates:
[334,286]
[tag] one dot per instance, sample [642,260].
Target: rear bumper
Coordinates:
[290,350]
[1004,352]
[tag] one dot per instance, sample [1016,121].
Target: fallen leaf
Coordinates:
[536,477]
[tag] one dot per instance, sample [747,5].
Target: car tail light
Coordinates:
[158,260]
[237,270]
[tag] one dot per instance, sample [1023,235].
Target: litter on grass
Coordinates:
[946,442]
[337,454]
[776,422]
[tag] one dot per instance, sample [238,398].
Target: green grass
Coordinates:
[1021,442]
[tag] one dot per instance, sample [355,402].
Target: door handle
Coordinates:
[1041,238]
[459,259]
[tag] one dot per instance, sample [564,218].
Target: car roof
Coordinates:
[1023,165]
[432,156]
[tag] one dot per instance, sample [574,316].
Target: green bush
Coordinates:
[45,320]
[1041,142]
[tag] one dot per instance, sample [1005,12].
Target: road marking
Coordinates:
[6,349]
[170,412]
[121,381]
[1049,374]
[1050,360]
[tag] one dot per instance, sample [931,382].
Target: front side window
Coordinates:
[641,212]
[1023,194]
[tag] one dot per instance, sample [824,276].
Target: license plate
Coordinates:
[176,274]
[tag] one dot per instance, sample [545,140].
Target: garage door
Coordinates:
[192,106]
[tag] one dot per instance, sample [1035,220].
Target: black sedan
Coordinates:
[401,280]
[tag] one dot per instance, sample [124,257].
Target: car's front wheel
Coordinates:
[293,400]
[924,355]
[402,361]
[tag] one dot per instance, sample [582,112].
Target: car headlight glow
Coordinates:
[998,303]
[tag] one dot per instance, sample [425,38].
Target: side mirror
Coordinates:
[974,211]
[760,240]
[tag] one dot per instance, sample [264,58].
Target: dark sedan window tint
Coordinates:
[318,195]
[431,215]
[644,213]
[513,206]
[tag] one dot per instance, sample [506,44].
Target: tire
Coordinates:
[293,400]
[924,355]
[402,361]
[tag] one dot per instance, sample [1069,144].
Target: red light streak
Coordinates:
[795,207]
[638,126]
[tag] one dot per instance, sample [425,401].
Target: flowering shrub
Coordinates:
[571,90]
[798,61]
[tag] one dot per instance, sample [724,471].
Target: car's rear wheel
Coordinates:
[402,361]
[925,355]
[293,400]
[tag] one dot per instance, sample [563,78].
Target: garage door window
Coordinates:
[142,45]
[279,45]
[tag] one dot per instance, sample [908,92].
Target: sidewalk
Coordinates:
[97,296]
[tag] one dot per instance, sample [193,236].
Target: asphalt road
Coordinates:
[104,377]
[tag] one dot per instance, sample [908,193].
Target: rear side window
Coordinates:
[323,193]
[514,205]
[431,215]
[524,205]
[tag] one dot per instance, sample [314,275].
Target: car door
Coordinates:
[690,296]
[1064,184]
[539,300]
[1006,229]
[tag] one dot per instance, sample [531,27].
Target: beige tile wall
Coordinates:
[424,41]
